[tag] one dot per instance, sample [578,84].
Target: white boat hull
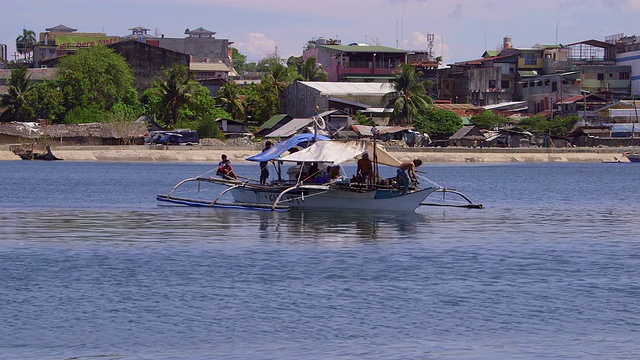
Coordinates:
[376,200]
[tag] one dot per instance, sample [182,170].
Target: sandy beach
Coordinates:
[211,154]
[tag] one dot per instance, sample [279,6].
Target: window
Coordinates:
[525,84]
[624,76]
[547,82]
[529,59]
[554,86]
[600,76]
[504,84]
[492,84]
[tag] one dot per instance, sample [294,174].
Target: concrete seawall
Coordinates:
[211,154]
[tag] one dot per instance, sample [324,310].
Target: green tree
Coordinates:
[409,96]
[174,92]
[264,100]
[238,60]
[268,62]
[362,119]
[229,98]
[558,126]
[438,122]
[46,101]
[15,100]
[295,62]
[312,71]
[26,42]
[488,120]
[279,76]
[96,77]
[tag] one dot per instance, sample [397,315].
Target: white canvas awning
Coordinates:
[337,152]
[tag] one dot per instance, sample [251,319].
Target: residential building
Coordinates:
[304,99]
[200,43]
[61,40]
[355,62]
[628,54]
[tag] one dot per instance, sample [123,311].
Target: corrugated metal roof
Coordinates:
[363,49]
[512,104]
[275,119]
[355,88]
[208,67]
[290,128]
[527,73]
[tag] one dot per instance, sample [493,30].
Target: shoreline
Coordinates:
[211,154]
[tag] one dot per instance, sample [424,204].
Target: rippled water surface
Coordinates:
[92,267]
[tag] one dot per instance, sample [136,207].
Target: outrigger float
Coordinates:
[316,189]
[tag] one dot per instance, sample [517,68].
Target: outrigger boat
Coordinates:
[300,192]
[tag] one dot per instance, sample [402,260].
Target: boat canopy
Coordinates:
[337,152]
[274,153]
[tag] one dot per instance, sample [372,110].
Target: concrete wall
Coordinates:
[148,62]
[201,49]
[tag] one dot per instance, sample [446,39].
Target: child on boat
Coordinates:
[225,169]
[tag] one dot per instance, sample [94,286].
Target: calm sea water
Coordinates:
[91,267]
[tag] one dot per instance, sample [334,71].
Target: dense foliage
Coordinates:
[558,126]
[229,98]
[488,120]
[437,122]
[96,78]
[15,100]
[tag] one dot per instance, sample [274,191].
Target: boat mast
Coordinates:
[633,126]
[375,133]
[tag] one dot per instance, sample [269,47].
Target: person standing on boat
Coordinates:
[410,168]
[264,165]
[365,169]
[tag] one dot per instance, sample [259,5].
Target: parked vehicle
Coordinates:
[154,137]
[184,137]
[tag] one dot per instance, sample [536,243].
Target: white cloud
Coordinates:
[256,46]
[634,5]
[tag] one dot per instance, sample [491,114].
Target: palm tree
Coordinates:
[15,98]
[408,97]
[312,71]
[26,42]
[175,91]
[229,97]
[280,76]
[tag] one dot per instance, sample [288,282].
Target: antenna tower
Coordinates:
[430,39]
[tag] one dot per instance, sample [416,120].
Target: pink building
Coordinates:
[355,62]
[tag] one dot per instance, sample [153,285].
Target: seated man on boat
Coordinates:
[410,168]
[225,169]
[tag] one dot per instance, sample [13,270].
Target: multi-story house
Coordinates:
[61,40]
[628,54]
[355,62]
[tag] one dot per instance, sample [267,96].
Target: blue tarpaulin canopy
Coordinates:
[625,127]
[301,140]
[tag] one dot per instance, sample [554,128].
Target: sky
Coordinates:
[463,29]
